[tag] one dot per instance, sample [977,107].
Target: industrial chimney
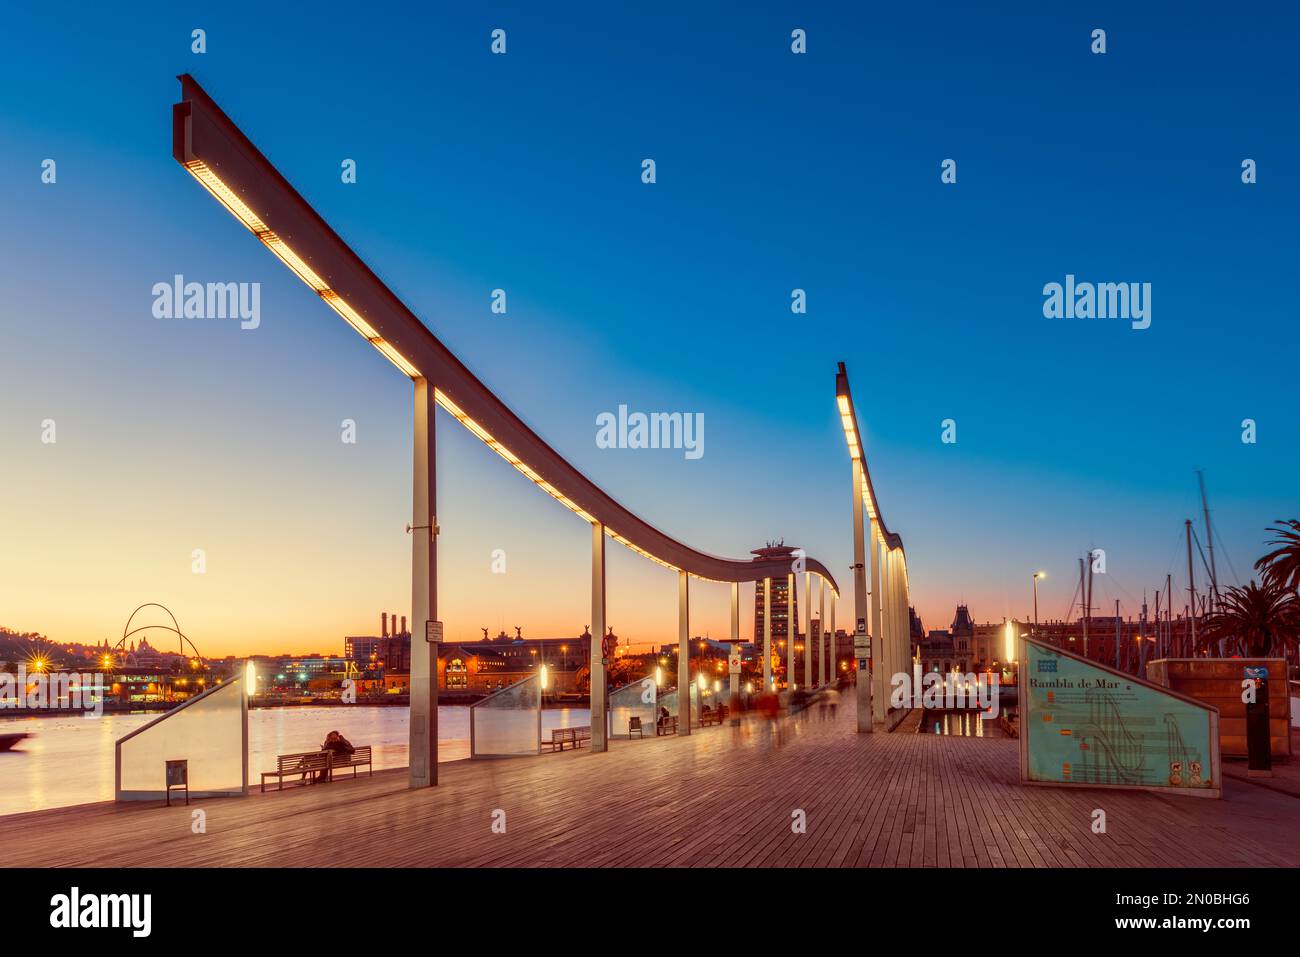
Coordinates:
[403,631]
[394,621]
[383,624]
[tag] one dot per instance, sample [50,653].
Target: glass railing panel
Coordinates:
[508,723]
[209,732]
[637,699]
[669,701]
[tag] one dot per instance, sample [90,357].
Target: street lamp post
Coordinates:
[1037,575]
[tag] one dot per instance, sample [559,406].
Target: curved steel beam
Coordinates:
[217,153]
[849,419]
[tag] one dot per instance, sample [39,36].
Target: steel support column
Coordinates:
[863,679]
[791,626]
[683,652]
[878,599]
[423,734]
[807,632]
[599,672]
[767,635]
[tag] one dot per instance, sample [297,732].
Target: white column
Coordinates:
[807,632]
[821,625]
[683,653]
[863,689]
[830,665]
[791,626]
[885,653]
[734,684]
[767,635]
[902,650]
[423,740]
[599,686]
[878,599]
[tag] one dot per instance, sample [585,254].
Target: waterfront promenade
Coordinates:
[720,797]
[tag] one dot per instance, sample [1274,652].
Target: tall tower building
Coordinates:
[783,611]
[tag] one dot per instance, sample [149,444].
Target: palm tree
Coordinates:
[1282,565]
[1261,621]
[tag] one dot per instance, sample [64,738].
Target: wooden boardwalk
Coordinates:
[721,797]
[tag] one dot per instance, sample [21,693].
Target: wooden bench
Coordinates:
[308,763]
[713,716]
[575,736]
[666,725]
[357,759]
[634,727]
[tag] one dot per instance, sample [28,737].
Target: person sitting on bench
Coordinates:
[339,745]
[663,716]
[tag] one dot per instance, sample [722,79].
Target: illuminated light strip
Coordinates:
[225,195]
[353,318]
[639,550]
[395,357]
[486,437]
[293,261]
[241,211]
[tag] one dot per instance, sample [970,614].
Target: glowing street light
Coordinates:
[1037,575]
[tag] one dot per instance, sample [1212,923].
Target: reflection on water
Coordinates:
[69,760]
[967,724]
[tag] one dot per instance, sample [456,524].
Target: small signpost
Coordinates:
[178,776]
[433,632]
[1259,751]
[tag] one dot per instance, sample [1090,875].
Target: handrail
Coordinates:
[217,153]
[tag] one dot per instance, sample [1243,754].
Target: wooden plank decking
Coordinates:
[720,797]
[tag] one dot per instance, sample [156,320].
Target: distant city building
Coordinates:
[389,652]
[915,629]
[494,663]
[937,652]
[963,637]
[782,612]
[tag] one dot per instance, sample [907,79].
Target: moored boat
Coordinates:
[9,741]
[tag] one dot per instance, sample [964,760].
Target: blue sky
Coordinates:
[522,171]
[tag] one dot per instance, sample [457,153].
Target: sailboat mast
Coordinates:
[1169,613]
[1191,584]
[1083,600]
[1209,540]
[1118,640]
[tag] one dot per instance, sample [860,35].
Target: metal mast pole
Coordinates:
[1191,584]
[1083,598]
[1209,541]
